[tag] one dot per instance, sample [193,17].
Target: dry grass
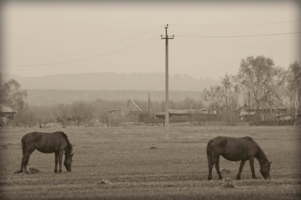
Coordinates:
[137,163]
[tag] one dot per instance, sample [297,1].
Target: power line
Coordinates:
[234,36]
[225,25]
[90,49]
[126,48]
[92,57]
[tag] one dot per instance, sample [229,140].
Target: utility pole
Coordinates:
[148,106]
[249,107]
[166,82]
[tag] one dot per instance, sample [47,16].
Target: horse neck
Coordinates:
[67,154]
[261,157]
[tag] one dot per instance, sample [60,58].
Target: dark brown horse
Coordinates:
[56,142]
[236,149]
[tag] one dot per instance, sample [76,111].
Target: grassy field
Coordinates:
[136,162]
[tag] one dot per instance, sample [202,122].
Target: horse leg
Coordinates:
[61,152]
[56,161]
[21,167]
[217,169]
[25,160]
[242,163]
[210,166]
[251,160]
[211,163]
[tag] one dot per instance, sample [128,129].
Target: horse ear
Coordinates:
[270,163]
[72,155]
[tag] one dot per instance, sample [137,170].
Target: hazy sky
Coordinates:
[59,38]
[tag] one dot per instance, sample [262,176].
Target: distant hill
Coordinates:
[68,88]
[115,81]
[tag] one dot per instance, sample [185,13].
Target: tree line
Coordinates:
[79,112]
[259,82]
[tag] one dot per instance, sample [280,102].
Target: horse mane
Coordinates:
[261,154]
[70,148]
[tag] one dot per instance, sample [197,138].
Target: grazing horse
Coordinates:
[237,149]
[56,142]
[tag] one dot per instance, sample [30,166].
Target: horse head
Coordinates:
[265,170]
[68,162]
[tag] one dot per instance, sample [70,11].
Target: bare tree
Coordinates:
[80,111]
[214,96]
[223,99]
[27,117]
[11,94]
[261,78]
[230,92]
[294,84]
[61,112]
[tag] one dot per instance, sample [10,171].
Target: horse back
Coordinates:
[218,144]
[44,142]
[234,149]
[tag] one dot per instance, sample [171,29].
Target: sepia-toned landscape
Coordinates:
[126,100]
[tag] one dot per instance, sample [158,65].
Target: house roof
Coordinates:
[240,107]
[5,109]
[135,105]
[278,106]
[114,110]
[284,115]
[179,112]
[184,111]
[243,113]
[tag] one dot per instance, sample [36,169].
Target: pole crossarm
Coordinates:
[166,36]
[173,37]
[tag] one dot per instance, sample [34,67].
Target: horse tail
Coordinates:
[208,151]
[23,144]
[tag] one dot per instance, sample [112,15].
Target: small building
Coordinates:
[187,115]
[6,113]
[129,112]
[252,114]
[284,119]
[246,116]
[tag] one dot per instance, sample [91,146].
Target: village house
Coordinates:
[186,115]
[6,114]
[129,112]
[261,114]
